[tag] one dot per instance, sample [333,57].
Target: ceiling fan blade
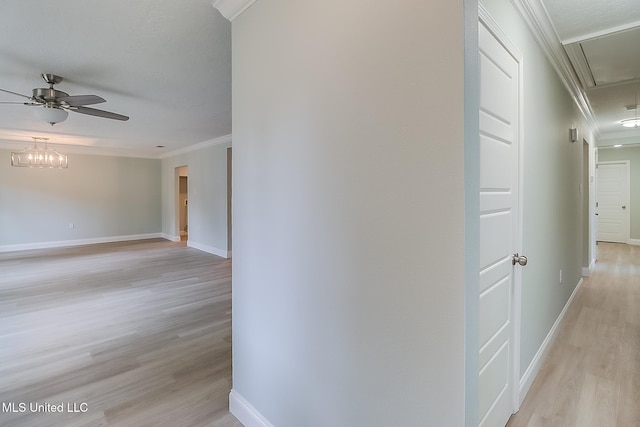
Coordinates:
[80,100]
[15,93]
[19,103]
[99,113]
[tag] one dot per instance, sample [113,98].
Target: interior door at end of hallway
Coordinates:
[612,201]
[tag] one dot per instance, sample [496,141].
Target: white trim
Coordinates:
[581,65]
[210,249]
[541,27]
[487,20]
[634,242]
[532,371]
[627,212]
[613,147]
[602,33]
[586,271]
[170,237]
[79,242]
[629,134]
[82,149]
[215,141]
[245,412]
[491,24]
[231,9]
[117,152]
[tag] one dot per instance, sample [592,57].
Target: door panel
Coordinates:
[499,181]
[613,181]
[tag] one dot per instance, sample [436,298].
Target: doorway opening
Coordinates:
[182,207]
[586,216]
[229,210]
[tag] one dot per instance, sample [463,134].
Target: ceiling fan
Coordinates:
[55,104]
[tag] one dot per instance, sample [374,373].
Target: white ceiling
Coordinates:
[602,40]
[164,63]
[167,65]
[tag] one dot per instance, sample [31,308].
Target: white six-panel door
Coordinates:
[613,203]
[499,222]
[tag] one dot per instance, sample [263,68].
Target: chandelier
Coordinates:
[34,157]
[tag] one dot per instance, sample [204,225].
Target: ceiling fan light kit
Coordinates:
[34,157]
[51,114]
[630,123]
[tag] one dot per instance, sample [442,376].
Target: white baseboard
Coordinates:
[78,242]
[245,412]
[210,249]
[530,375]
[635,242]
[170,237]
[586,271]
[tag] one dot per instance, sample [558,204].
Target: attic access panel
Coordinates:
[608,59]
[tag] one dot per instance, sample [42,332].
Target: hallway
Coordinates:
[591,376]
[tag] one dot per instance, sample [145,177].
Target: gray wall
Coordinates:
[349,230]
[633,155]
[348,167]
[104,197]
[114,198]
[207,197]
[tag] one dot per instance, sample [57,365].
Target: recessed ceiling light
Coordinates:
[630,123]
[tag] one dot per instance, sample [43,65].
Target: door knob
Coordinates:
[519,259]
[624,207]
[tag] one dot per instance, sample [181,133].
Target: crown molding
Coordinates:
[215,141]
[15,145]
[231,9]
[537,19]
[581,66]
[633,134]
[602,33]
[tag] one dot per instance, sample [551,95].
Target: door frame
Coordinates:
[627,195]
[177,206]
[489,22]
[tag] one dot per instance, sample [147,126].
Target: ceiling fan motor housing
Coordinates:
[49,95]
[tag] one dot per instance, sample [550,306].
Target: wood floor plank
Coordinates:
[133,333]
[591,376]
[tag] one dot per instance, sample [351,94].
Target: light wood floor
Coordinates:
[592,374]
[133,334]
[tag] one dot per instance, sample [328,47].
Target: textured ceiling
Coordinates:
[602,39]
[579,18]
[164,63]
